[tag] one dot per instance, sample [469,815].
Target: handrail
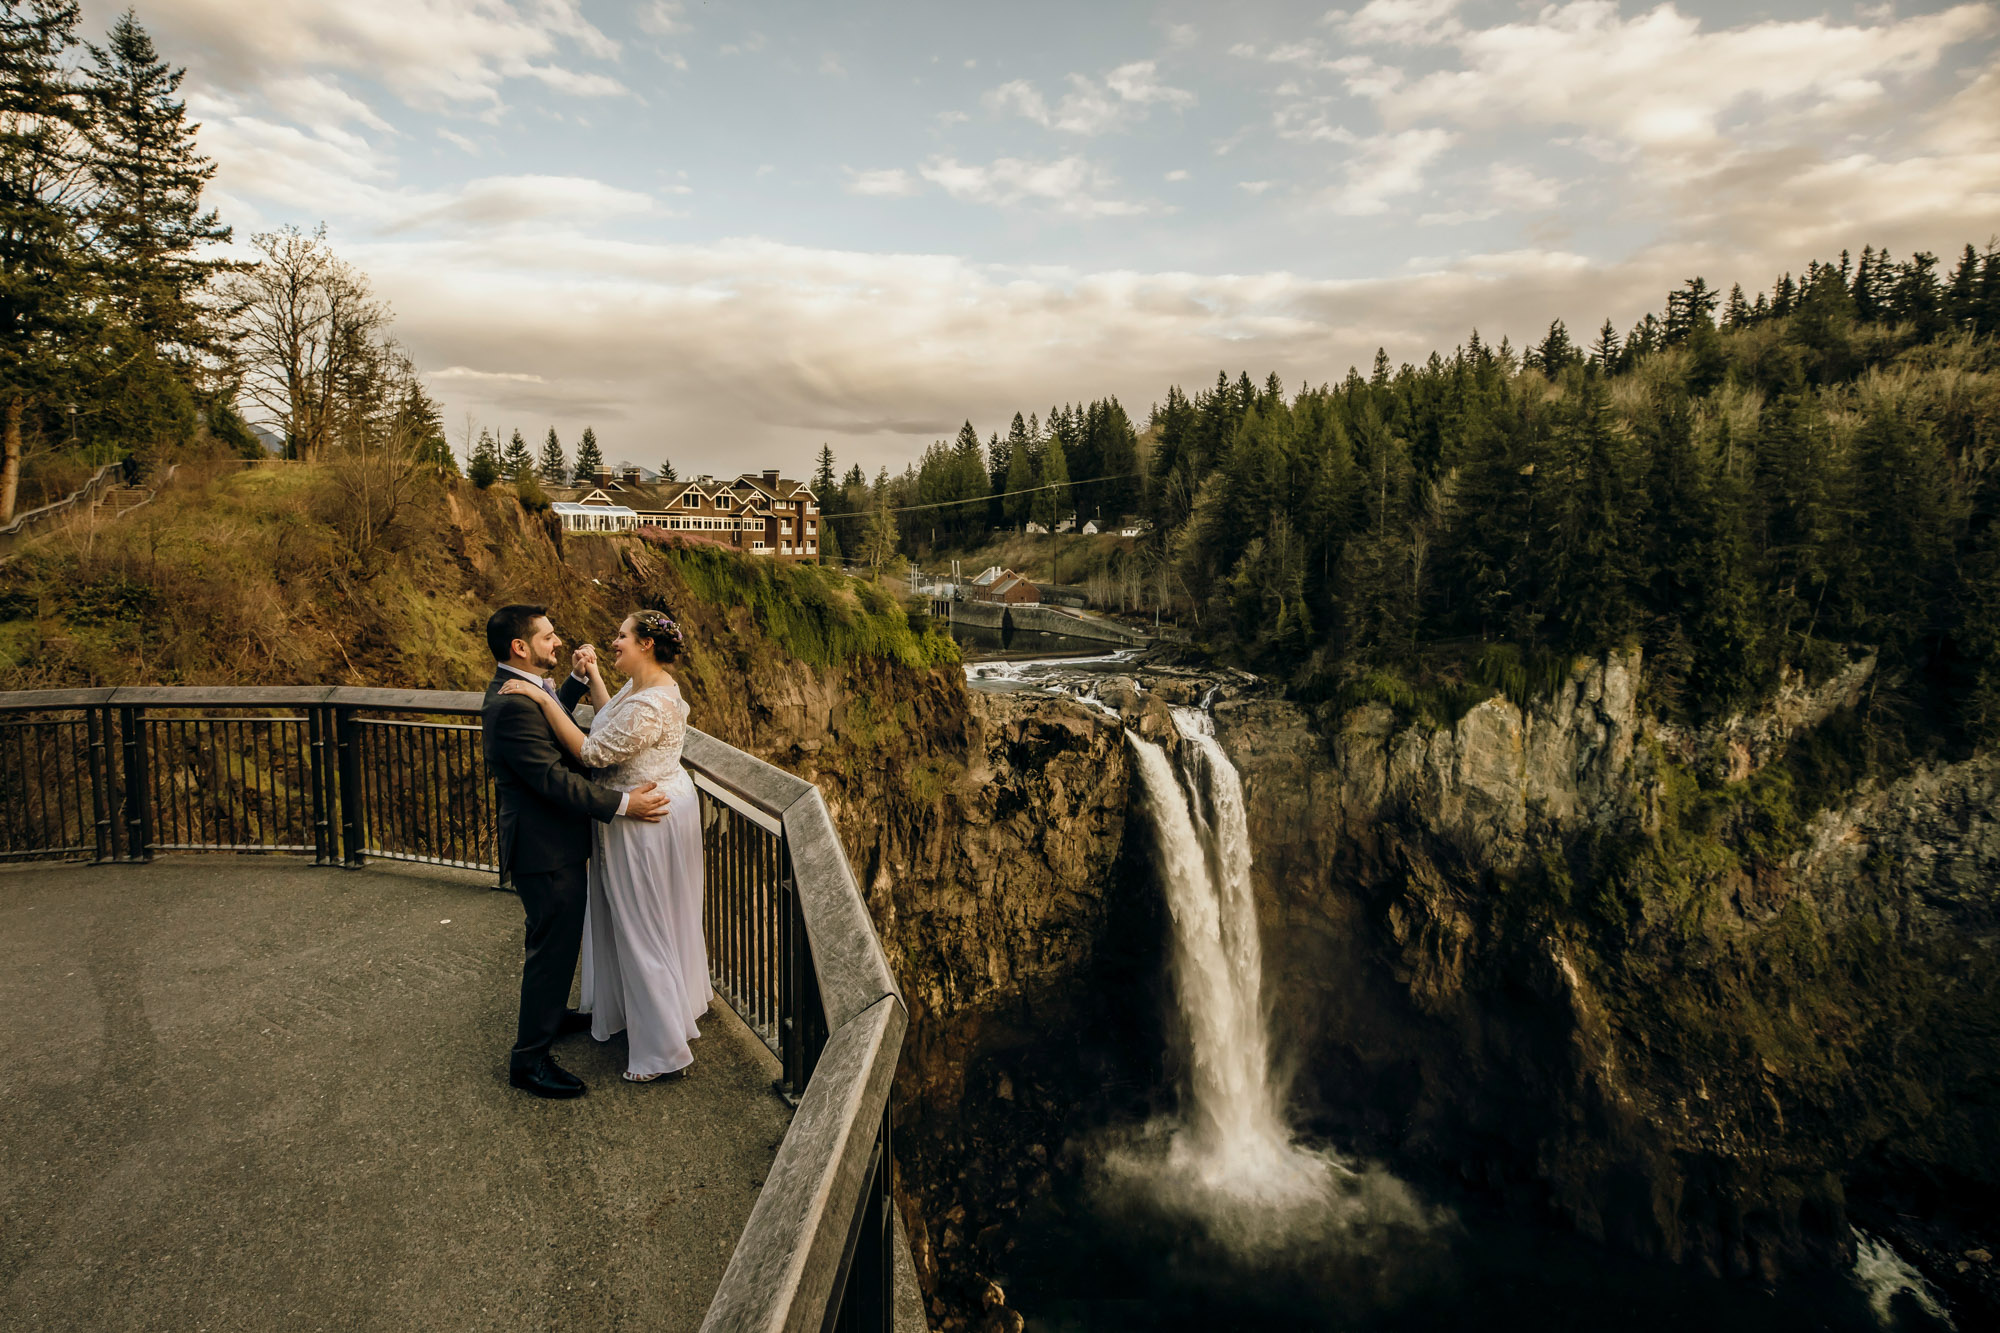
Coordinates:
[91,487]
[828,1183]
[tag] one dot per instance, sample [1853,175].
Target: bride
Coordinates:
[645,966]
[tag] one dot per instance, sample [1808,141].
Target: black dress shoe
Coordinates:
[573,1021]
[546,1078]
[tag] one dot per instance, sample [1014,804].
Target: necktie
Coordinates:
[549,688]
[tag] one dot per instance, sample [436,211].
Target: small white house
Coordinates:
[595,517]
[1091,529]
[1035,528]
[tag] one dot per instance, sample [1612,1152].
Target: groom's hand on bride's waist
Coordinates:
[645,803]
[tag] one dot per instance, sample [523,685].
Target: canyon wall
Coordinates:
[1621,975]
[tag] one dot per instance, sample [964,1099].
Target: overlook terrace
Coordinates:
[267,1088]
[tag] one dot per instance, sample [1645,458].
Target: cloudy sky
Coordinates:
[723,234]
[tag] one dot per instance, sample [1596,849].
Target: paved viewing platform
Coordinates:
[249,1093]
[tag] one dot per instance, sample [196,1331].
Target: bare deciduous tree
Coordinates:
[308,338]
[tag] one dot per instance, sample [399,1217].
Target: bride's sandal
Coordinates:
[670,1074]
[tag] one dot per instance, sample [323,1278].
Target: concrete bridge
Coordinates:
[268,1091]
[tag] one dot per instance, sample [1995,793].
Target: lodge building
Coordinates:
[760,513]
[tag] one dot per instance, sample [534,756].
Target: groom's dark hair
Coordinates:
[508,624]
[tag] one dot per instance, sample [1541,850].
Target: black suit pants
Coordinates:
[554,901]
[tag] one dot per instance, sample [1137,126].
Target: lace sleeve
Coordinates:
[636,725]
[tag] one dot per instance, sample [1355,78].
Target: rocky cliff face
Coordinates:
[1616,973]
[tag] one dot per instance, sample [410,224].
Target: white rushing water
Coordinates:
[1230,1158]
[1233,1139]
[1884,1274]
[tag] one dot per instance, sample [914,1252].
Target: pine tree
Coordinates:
[419,427]
[149,178]
[667,472]
[589,460]
[555,468]
[823,477]
[1555,353]
[1736,314]
[1020,502]
[1052,502]
[1604,352]
[517,462]
[484,468]
[968,483]
[45,311]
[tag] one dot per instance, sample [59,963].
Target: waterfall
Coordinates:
[1232,1143]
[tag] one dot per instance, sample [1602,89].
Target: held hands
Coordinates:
[646,803]
[583,661]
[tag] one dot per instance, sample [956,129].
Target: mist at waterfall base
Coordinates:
[1219,1216]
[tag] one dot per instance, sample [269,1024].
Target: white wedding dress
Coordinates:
[645,965]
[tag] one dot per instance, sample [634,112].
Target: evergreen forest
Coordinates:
[1740,486]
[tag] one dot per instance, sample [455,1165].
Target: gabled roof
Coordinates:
[785,488]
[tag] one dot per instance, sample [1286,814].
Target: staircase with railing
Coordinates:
[346,776]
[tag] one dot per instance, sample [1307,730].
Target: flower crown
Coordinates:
[657,625]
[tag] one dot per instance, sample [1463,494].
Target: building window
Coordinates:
[812,528]
[785,548]
[786,527]
[691,501]
[812,548]
[759,546]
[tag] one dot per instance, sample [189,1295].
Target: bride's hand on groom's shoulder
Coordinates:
[523,687]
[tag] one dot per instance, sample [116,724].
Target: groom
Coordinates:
[544,845]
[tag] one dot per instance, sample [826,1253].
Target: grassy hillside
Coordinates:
[295,574]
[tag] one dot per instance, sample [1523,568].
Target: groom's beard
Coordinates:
[545,664]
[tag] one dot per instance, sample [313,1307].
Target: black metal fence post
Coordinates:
[138,785]
[317,785]
[351,814]
[96,724]
[867,1284]
[794,955]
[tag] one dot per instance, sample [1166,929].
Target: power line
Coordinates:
[996,495]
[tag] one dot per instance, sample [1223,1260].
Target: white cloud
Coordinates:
[830,64]
[468,373]
[1182,34]
[1254,187]
[500,201]
[458,141]
[1091,106]
[1399,22]
[1067,185]
[663,18]
[430,54]
[1659,80]
[1179,174]
[1385,167]
[889,182]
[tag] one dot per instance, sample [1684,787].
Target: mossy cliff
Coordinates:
[1700,995]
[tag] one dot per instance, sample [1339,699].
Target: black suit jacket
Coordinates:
[544,795]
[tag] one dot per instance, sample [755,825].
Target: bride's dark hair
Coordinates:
[662,630]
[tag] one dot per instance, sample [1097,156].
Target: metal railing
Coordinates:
[349,775]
